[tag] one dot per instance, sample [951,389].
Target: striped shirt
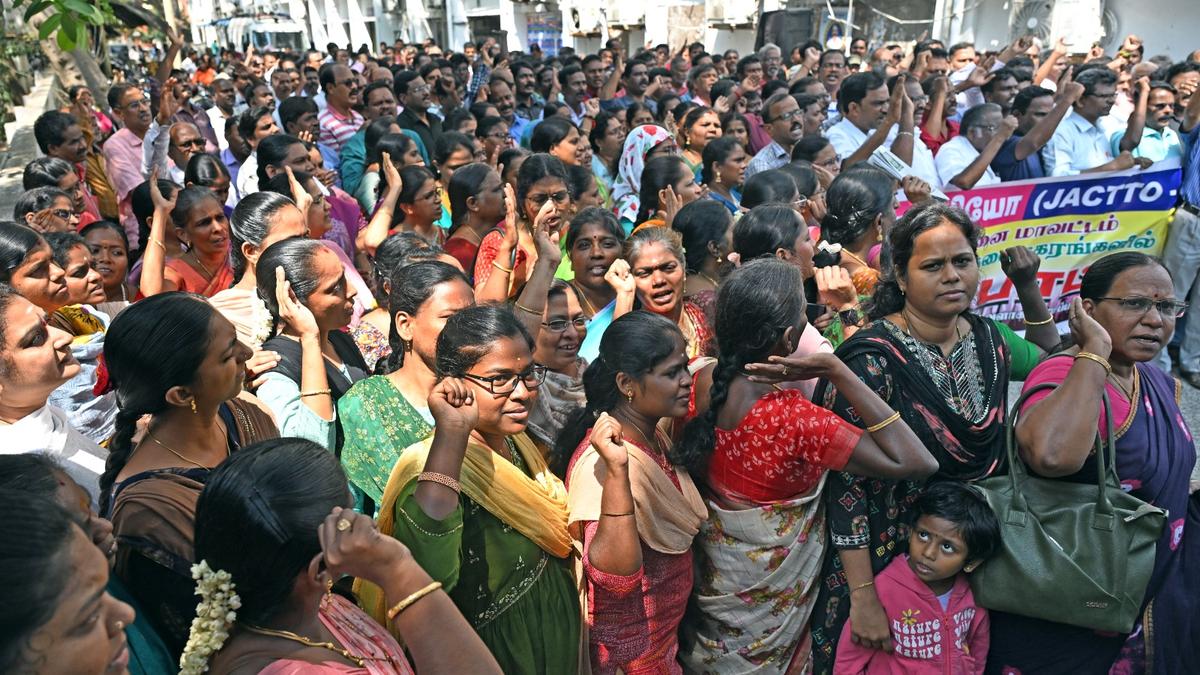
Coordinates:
[337,129]
[1190,190]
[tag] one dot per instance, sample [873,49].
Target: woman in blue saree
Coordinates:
[1125,314]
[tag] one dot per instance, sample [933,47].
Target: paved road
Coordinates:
[23,148]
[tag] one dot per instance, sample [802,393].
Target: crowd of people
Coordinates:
[483,361]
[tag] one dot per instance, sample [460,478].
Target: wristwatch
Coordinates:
[852,317]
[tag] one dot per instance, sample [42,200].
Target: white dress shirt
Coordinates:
[955,155]
[848,138]
[1077,145]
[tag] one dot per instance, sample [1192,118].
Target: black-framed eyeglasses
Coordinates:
[559,197]
[347,83]
[138,103]
[1139,306]
[532,378]
[560,325]
[62,213]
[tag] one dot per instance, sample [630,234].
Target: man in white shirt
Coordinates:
[871,117]
[964,161]
[224,98]
[1079,145]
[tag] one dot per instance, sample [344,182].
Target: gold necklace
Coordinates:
[209,275]
[1129,393]
[652,446]
[591,310]
[175,452]
[913,333]
[850,254]
[708,279]
[359,661]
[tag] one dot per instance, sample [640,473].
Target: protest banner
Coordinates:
[1069,222]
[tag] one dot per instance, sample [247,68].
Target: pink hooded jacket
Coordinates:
[926,638]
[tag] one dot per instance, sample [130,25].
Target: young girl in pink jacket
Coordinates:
[935,624]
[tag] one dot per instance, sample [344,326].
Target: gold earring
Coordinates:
[629,397]
[329,585]
[193,406]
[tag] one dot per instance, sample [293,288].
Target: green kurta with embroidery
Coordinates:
[521,600]
[378,423]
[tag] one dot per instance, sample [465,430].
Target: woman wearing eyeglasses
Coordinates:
[477,505]
[507,255]
[1125,314]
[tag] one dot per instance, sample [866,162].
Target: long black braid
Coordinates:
[756,305]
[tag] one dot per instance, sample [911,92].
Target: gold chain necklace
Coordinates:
[587,303]
[1133,385]
[209,275]
[359,661]
[708,279]
[850,254]
[173,451]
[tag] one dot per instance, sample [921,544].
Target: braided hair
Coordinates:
[153,345]
[756,304]
[633,344]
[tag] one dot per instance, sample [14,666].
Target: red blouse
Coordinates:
[780,449]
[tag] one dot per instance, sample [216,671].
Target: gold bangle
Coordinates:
[523,308]
[617,515]
[408,602]
[862,586]
[502,268]
[876,427]
[160,244]
[1038,323]
[1097,358]
[440,479]
[315,392]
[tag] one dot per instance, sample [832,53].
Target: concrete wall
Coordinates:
[1166,26]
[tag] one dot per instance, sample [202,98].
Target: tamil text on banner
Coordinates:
[1070,222]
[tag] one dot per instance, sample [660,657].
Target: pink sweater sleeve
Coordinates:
[979,638]
[852,659]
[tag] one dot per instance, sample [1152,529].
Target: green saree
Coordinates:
[379,423]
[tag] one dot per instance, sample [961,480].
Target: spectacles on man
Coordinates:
[1140,305]
[560,325]
[560,197]
[532,378]
[134,105]
[195,143]
[788,116]
[352,83]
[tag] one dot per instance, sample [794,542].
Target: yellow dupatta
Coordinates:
[536,507]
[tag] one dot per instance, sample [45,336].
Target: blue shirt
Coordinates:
[1007,167]
[1190,190]
[1155,145]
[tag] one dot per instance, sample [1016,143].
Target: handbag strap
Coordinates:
[1106,454]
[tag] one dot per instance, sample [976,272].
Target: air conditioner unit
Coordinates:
[626,13]
[730,12]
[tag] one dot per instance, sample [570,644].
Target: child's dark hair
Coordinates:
[964,506]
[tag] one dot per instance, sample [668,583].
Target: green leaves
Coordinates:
[68,20]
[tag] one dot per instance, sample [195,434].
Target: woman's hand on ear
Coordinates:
[299,193]
[292,312]
[391,174]
[1087,332]
[353,546]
